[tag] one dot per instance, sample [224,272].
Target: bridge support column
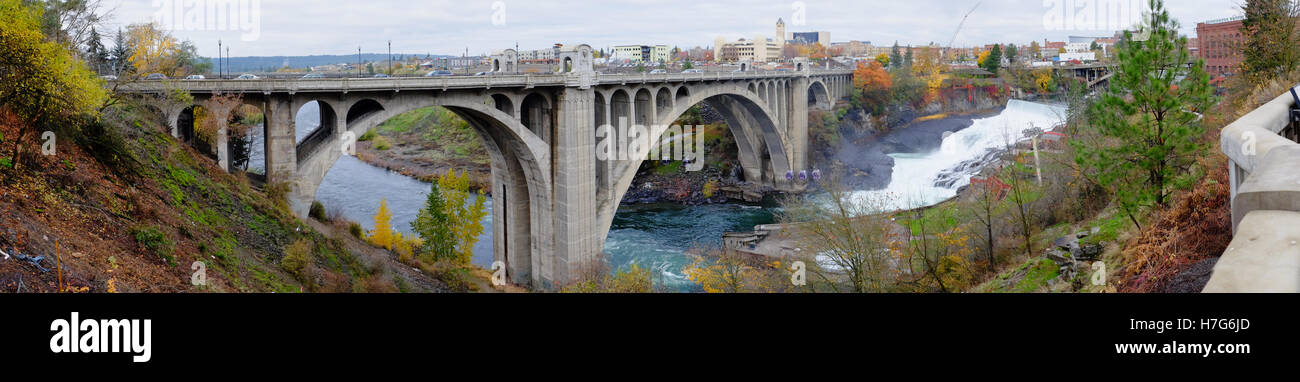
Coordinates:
[281,145]
[798,113]
[574,163]
[222,142]
[173,120]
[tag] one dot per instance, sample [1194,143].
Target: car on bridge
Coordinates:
[658,71]
[109,78]
[381,75]
[692,71]
[247,76]
[155,77]
[438,73]
[310,76]
[195,77]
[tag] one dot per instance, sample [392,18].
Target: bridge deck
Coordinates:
[445,83]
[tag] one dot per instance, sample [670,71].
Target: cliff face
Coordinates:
[866,140]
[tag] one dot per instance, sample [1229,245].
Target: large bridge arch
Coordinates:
[764,151]
[520,175]
[819,95]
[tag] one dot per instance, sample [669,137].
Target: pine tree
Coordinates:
[434,226]
[121,53]
[1149,116]
[994,61]
[895,57]
[1010,53]
[96,55]
[907,58]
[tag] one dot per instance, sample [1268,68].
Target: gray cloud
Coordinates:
[303,27]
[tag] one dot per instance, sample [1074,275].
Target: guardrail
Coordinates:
[1264,255]
[442,83]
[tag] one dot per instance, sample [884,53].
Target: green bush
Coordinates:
[381,143]
[153,239]
[297,259]
[368,136]
[355,229]
[317,211]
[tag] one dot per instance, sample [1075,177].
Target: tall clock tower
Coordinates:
[780,33]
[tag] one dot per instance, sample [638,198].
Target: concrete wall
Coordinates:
[1263,255]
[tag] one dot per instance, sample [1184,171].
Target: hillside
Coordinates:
[124,207]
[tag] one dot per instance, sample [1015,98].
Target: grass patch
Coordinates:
[154,240]
[1037,276]
[669,169]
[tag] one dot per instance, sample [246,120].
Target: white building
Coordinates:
[638,54]
[759,49]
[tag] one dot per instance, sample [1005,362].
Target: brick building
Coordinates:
[1217,40]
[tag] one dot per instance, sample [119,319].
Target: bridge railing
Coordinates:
[1264,255]
[440,83]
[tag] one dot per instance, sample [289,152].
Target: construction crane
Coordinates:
[962,24]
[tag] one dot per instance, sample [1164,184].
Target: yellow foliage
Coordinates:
[383,235]
[153,50]
[1043,78]
[466,217]
[710,188]
[40,79]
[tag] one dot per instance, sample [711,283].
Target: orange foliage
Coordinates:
[872,76]
[1196,227]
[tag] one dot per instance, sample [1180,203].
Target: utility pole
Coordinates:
[227,55]
[221,66]
[358,61]
[1038,166]
[390,57]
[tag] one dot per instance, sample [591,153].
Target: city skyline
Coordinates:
[293,28]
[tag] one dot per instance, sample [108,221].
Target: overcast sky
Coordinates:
[313,27]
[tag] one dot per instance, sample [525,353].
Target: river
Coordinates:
[658,237]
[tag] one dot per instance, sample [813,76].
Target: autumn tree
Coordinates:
[450,223]
[153,50]
[1150,117]
[1270,47]
[725,271]
[934,257]
[382,235]
[883,59]
[873,86]
[40,81]
[929,67]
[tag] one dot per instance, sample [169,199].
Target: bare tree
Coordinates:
[850,234]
